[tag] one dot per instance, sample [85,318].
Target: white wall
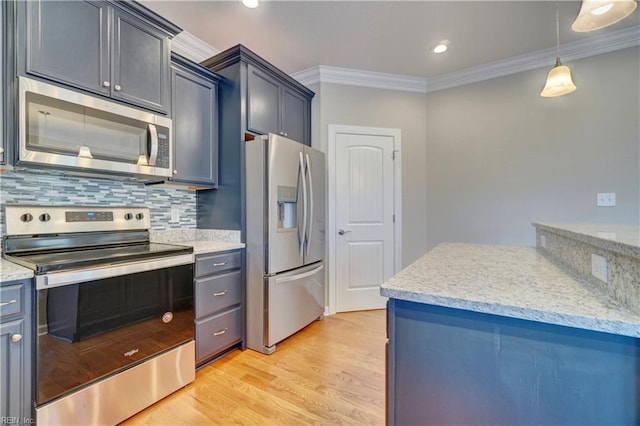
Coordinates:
[360,106]
[499,156]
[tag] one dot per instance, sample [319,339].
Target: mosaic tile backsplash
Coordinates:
[33,186]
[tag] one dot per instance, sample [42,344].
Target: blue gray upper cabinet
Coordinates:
[195,123]
[121,50]
[275,102]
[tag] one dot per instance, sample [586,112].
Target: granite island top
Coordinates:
[10,271]
[516,282]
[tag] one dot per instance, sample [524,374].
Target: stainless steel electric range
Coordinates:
[115,319]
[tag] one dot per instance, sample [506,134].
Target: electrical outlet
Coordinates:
[543,241]
[599,267]
[175,215]
[606,199]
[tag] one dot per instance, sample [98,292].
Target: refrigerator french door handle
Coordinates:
[304,206]
[310,229]
[296,277]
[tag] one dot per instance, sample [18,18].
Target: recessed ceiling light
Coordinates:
[251,4]
[441,48]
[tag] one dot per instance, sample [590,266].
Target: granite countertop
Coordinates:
[10,271]
[207,246]
[515,282]
[623,239]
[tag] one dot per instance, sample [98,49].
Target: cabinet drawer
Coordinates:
[217,333]
[214,263]
[12,299]
[217,292]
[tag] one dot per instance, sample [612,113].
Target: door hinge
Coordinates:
[393,153]
[394,218]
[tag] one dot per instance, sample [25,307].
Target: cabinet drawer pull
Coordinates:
[15,338]
[220,333]
[10,302]
[220,264]
[220,293]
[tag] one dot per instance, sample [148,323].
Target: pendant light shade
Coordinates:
[597,14]
[559,81]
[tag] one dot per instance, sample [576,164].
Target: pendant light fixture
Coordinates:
[559,80]
[251,4]
[597,14]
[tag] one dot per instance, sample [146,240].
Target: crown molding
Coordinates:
[573,51]
[352,77]
[592,46]
[191,47]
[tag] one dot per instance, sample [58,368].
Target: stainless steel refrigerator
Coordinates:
[285,236]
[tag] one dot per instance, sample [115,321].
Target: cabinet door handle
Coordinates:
[106,84]
[220,293]
[15,338]
[220,333]
[10,302]
[220,264]
[117,88]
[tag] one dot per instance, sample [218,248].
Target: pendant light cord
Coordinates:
[557,29]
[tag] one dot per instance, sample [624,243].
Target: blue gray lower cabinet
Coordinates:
[16,347]
[449,366]
[219,304]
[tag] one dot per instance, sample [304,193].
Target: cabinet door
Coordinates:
[140,72]
[68,41]
[263,93]
[296,120]
[194,109]
[12,369]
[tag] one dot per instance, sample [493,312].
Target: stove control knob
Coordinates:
[139,216]
[27,217]
[45,217]
[128,216]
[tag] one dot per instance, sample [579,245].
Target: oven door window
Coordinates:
[93,329]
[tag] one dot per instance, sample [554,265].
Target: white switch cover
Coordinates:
[543,241]
[599,267]
[606,199]
[175,215]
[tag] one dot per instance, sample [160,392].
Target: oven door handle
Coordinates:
[58,279]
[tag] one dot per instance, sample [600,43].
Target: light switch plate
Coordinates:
[543,241]
[599,267]
[606,199]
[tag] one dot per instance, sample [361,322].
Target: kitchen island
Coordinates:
[482,334]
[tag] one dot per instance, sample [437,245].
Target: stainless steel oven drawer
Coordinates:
[217,292]
[215,263]
[12,300]
[218,333]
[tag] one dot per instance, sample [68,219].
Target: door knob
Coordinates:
[342,232]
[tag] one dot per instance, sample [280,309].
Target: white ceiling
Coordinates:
[383,36]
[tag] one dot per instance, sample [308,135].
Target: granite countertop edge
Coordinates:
[437,279]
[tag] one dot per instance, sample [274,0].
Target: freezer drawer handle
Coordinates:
[220,293]
[220,333]
[299,276]
[10,302]
[220,264]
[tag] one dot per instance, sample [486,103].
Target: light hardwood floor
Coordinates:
[330,373]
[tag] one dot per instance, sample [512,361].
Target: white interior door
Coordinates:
[365,204]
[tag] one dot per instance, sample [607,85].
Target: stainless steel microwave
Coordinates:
[64,128]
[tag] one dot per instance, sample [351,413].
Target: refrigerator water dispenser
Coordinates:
[287,208]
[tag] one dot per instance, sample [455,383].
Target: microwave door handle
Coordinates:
[153,149]
[310,229]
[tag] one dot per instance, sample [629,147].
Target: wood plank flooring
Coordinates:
[330,373]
